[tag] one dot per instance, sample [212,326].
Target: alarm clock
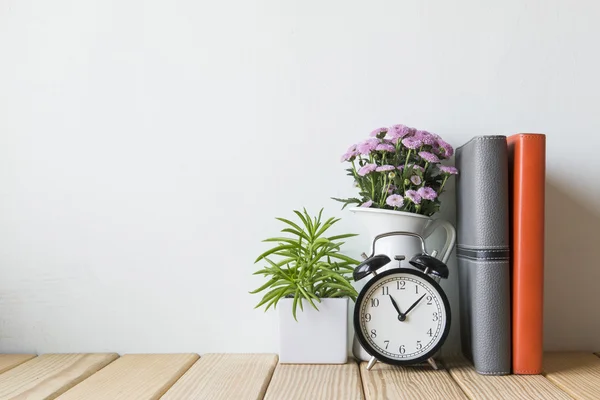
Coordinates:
[402,315]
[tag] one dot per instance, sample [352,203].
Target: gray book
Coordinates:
[483,253]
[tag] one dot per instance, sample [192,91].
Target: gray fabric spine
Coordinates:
[483,253]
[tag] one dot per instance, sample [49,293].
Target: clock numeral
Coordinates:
[400,285]
[387,343]
[419,345]
[368,317]
[430,332]
[429,299]
[417,289]
[374,302]
[402,349]
[373,333]
[435,316]
[385,290]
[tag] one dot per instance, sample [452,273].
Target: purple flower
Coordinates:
[400,167]
[378,131]
[415,179]
[444,150]
[350,154]
[413,196]
[427,193]
[367,169]
[385,168]
[429,157]
[367,146]
[364,149]
[426,137]
[385,147]
[367,204]
[391,189]
[398,132]
[412,142]
[416,167]
[395,200]
[447,169]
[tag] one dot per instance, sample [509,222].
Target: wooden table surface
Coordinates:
[257,376]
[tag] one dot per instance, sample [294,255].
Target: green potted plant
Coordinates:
[310,280]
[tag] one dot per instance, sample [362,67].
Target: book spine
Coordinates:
[528,160]
[483,253]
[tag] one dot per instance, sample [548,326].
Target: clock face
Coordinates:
[402,316]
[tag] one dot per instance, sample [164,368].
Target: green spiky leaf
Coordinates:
[306,265]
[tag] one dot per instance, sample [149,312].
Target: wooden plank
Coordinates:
[9,361]
[225,376]
[49,375]
[507,387]
[576,373]
[134,376]
[311,381]
[385,381]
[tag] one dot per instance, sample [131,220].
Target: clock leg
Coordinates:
[433,364]
[372,362]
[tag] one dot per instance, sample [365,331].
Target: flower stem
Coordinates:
[383,190]
[386,188]
[354,169]
[443,183]
[356,177]
[407,158]
[372,187]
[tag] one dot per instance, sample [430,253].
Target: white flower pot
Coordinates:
[377,221]
[318,337]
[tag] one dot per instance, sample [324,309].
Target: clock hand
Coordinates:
[413,306]
[401,316]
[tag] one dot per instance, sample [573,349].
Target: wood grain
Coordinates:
[9,361]
[133,376]
[225,376]
[310,381]
[390,382]
[507,387]
[49,375]
[576,373]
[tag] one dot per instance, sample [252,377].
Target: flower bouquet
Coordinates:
[399,168]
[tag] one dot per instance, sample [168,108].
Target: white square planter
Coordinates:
[318,337]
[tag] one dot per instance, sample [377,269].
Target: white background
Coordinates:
[147,146]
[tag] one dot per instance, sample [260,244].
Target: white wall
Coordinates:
[146,147]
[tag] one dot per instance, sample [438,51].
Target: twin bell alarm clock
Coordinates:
[402,315]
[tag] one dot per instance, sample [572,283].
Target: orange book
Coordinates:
[527,163]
